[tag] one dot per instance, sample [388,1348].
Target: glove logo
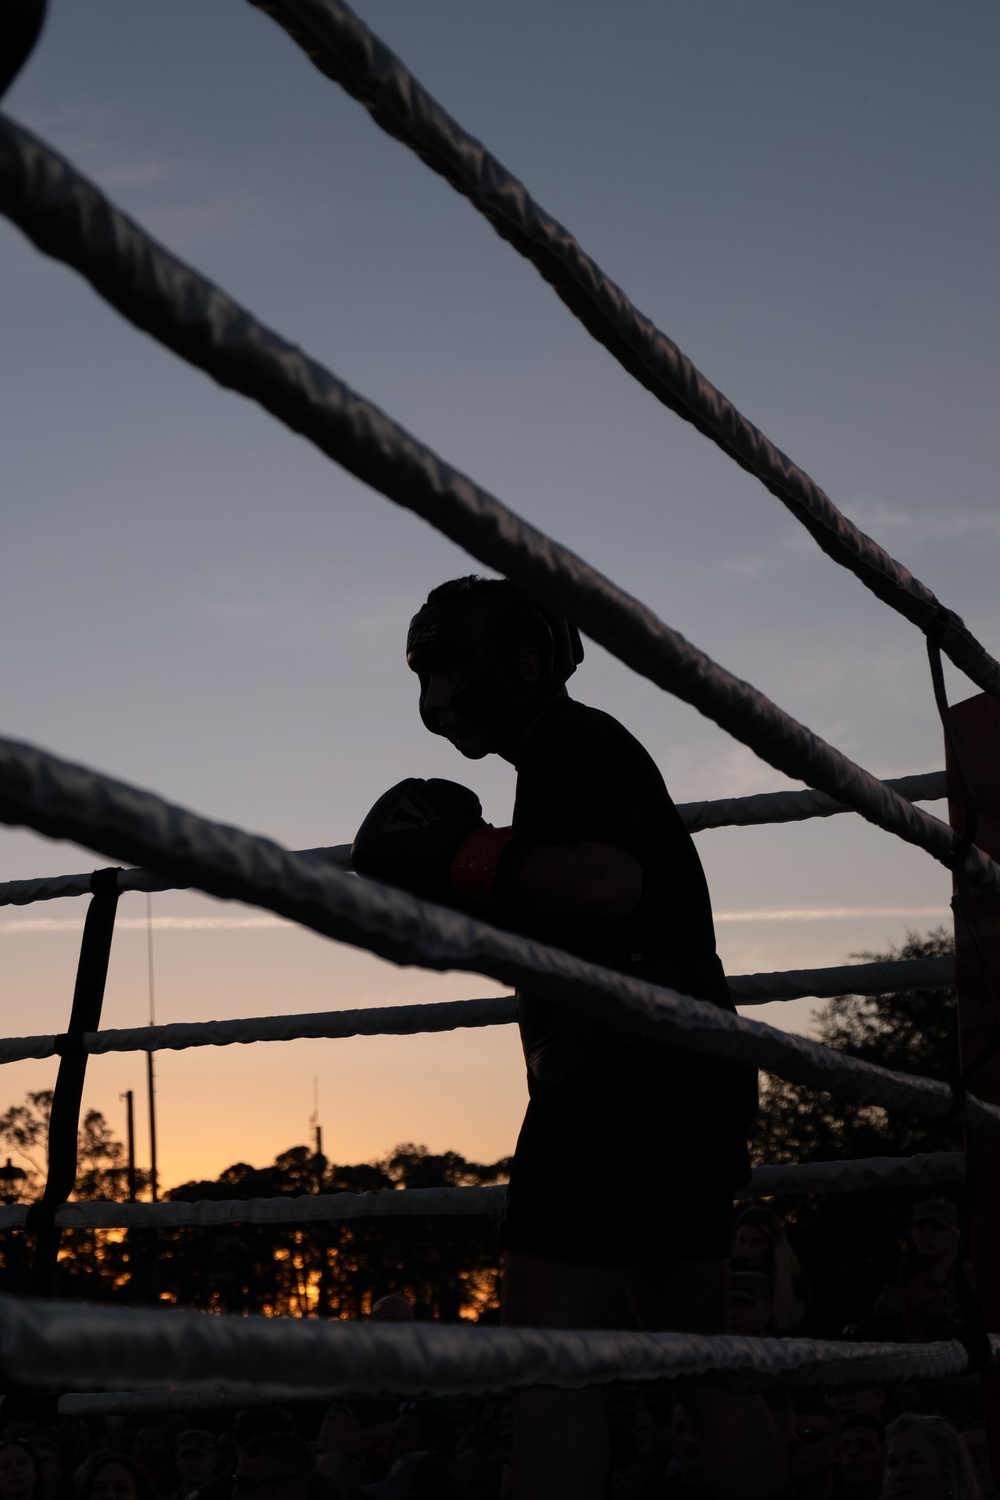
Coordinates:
[412,811]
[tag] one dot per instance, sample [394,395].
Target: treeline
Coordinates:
[447,1266]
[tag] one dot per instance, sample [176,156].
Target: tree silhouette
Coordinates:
[102,1170]
[910,1031]
[847,1241]
[24,1129]
[447,1264]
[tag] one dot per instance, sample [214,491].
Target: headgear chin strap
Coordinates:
[482,634]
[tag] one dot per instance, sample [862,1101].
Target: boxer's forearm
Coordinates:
[592,880]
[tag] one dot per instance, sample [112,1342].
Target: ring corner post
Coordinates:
[975,728]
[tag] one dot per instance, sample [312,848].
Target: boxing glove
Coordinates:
[430,838]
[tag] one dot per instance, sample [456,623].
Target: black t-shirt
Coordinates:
[581,777]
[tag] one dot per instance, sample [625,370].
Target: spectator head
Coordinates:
[151,1448]
[862,1452]
[934,1230]
[750,1302]
[196,1457]
[924,1287]
[757,1232]
[418,1476]
[337,1419]
[421,1429]
[260,1420]
[686,1448]
[977,1451]
[779,1404]
[812,1448]
[114,1476]
[869,1400]
[473,1470]
[20,1471]
[51,1464]
[925,1460]
[392,1309]
[272,1466]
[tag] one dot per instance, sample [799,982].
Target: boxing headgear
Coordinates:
[481,630]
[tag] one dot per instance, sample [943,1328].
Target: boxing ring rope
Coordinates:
[177,1036]
[726,812]
[68,218]
[75,1345]
[345,50]
[794,807]
[830,1369]
[450,1015]
[40,1343]
[783,1180]
[879,978]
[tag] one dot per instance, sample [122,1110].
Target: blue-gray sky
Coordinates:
[193,599]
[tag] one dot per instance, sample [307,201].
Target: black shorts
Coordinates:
[632,1158]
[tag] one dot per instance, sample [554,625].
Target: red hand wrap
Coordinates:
[474,868]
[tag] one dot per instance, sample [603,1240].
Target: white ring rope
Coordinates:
[729,812]
[450,1015]
[388,1020]
[54,887]
[883,978]
[782,1180]
[931,1362]
[796,807]
[68,218]
[343,48]
[79,1346]
[924,1170]
[124,822]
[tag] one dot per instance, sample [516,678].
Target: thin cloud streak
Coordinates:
[232,924]
[830,913]
[137,924]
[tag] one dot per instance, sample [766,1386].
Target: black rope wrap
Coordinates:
[64,1120]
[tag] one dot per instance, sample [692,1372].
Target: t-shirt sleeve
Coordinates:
[583,789]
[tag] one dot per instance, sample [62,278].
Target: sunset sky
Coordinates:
[195,600]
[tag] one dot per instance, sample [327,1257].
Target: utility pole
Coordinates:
[154,1181]
[130,1119]
[324,1288]
[317,1131]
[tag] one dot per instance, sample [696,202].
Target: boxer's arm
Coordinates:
[429,837]
[584,880]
